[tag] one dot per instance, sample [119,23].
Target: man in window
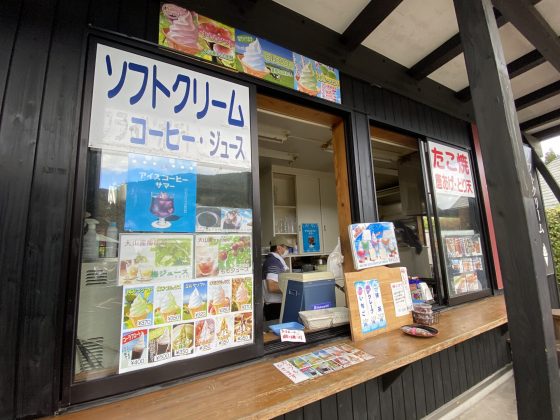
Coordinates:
[274,264]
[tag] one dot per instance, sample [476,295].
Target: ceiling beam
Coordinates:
[375,12]
[447,51]
[532,25]
[540,120]
[537,96]
[443,54]
[515,68]
[547,133]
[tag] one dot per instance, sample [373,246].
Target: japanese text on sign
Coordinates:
[451,170]
[147,106]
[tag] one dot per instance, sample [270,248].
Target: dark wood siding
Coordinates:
[418,389]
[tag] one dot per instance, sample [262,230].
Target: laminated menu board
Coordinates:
[464,261]
[373,244]
[377,301]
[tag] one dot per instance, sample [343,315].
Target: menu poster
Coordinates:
[263,59]
[178,320]
[310,237]
[370,305]
[316,79]
[399,299]
[161,194]
[153,258]
[218,255]
[373,244]
[190,33]
[321,362]
[194,34]
[223,219]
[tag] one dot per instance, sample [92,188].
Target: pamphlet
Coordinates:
[321,362]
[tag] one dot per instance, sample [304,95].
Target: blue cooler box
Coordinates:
[306,292]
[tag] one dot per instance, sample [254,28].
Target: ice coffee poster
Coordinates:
[193,34]
[153,258]
[316,79]
[310,237]
[219,255]
[161,194]
[373,244]
[263,59]
[184,319]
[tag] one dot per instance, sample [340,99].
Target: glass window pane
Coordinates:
[457,209]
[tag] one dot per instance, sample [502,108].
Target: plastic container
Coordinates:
[324,318]
[425,319]
[91,246]
[111,247]
[285,326]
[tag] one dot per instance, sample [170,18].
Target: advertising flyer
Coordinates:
[153,258]
[194,34]
[219,255]
[161,194]
[263,59]
[310,237]
[316,79]
[321,362]
[406,287]
[182,319]
[373,244]
[370,305]
[190,33]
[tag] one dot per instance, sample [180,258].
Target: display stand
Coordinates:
[385,276]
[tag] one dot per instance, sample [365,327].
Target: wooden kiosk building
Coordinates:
[402,82]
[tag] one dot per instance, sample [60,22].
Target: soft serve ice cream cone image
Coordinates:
[195,304]
[183,33]
[140,311]
[253,60]
[307,80]
[168,308]
[220,292]
[241,294]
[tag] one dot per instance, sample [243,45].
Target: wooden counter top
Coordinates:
[259,390]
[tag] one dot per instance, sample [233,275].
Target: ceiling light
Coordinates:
[277,154]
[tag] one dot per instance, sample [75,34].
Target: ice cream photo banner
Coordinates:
[188,32]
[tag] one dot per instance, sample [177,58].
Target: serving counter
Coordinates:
[259,390]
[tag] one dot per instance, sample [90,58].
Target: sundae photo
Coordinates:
[225,331]
[243,327]
[241,293]
[205,333]
[160,344]
[183,339]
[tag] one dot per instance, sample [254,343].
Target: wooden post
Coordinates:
[527,297]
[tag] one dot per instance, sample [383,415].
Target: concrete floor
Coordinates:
[492,399]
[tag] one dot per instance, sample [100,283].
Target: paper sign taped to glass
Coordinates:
[373,244]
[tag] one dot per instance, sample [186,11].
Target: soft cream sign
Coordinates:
[147,106]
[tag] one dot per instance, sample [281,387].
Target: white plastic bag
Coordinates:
[334,262]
